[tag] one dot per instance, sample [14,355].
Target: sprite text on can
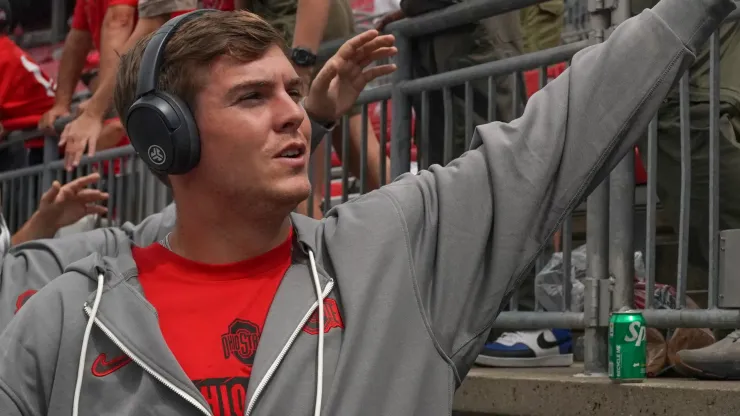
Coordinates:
[627,347]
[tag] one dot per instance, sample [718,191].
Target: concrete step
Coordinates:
[566,392]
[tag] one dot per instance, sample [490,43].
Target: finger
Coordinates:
[76,156]
[378,71]
[95,209]
[348,49]
[88,196]
[65,135]
[378,54]
[83,182]
[383,41]
[68,159]
[91,146]
[43,122]
[353,68]
[50,195]
[327,73]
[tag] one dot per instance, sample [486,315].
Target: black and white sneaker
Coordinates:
[545,348]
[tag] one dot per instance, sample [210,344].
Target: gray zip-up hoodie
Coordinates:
[412,275]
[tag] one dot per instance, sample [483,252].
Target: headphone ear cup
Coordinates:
[164,134]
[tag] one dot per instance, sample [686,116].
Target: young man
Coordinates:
[124,22]
[219,317]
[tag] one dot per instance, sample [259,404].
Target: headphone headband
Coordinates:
[151,61]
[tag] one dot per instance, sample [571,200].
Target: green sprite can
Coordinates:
[627,347]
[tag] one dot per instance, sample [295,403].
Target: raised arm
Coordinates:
[475,226]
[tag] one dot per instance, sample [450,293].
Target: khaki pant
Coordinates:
[542,25]
[492,39]
[669,187]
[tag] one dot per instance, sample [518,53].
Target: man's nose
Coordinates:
[290,114]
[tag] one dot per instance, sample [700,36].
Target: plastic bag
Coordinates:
[548,284]
[657,352]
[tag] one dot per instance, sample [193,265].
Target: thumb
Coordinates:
[49,196]
[324,77]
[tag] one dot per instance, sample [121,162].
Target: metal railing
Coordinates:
[610,209]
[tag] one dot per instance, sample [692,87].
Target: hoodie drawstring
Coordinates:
[320,353]
[85,340]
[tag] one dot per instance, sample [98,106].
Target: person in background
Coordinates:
[491,39]
[102,25]
[542,25]
[722,359]
[305,24]
[128,22]
[60,206]
[26,93]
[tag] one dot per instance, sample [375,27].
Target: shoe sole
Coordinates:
[690,371]
[560,360]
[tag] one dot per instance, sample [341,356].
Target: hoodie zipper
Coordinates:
[190,399]
[275,364]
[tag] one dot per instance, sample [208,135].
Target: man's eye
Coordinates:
[297,94]
[250,96]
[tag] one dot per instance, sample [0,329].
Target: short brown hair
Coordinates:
[196,44]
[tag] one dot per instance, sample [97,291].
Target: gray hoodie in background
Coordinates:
[411,275]
[28,267]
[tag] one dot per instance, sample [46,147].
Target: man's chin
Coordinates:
[293,192]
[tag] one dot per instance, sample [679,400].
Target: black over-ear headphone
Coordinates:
[160,125]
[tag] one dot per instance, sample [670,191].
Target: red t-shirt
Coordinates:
[88,15]
[26,92]
[212,316]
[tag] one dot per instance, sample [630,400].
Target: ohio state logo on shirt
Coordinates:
[332,318]
[241,341]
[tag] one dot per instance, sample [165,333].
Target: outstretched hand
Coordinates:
[80,133]
[337,86]
[63,205]
[60,206]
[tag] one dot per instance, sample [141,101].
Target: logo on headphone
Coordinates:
[156,154]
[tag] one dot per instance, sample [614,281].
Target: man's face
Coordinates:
[254,133]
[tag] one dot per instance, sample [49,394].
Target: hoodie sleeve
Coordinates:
[28,267]
[474,226]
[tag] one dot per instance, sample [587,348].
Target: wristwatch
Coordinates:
[303,57]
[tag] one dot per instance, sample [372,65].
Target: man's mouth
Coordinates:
[291,153]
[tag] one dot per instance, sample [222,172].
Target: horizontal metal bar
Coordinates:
[692,318]
[20,136]
[108,154]
[495,68]
[463,13]
[540,320]
[372,95]
[655,318]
